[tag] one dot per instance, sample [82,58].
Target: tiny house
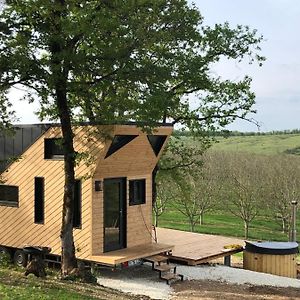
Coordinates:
[112,197]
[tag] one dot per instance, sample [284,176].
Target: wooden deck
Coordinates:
[113,258]
[195,248]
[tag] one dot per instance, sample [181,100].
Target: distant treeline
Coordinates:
[239,133]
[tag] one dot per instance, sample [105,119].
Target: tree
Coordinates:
[164,197]
[109,61]
[207,185]
[185,199]
[282,187]
[244,183]
[179,156]
[7,115]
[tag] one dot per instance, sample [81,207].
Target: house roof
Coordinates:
[13,145]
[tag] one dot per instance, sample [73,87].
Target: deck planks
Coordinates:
[113,258]
[195,248]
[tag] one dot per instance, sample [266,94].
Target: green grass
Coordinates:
[224,223]
[263,144]
[28,292]
[14,285]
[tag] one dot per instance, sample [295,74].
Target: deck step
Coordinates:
[156,259]
[171,276]
[165,268]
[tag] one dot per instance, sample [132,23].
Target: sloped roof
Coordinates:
[13,145]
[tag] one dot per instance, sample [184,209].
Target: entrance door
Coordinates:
[114,214]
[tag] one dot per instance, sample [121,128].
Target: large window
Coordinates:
[39,199]
[9,195]
[77,205]
[137,191]
[53,149]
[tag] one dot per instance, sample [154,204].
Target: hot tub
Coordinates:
[278,258]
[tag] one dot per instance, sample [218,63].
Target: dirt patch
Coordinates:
[205,289]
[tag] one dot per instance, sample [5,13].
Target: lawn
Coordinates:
[224,223]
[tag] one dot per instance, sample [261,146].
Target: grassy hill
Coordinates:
[261,144]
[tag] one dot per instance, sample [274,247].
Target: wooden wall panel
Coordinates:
[136,160]
[17,227]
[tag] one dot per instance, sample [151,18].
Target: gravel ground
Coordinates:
[141,280]
[137,280]
[236,276]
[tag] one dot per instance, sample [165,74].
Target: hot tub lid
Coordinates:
[274,248]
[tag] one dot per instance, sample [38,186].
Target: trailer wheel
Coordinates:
[20,258]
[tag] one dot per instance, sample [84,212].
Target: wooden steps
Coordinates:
[161,264]
[171,276]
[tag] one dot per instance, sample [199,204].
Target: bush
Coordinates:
[5,259]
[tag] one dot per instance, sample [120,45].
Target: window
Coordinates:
[77,205]
[118,142]
[9,195]
[137,191]
[53,149]
[156,142]
[39,199]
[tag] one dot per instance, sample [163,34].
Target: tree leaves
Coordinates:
[128,60]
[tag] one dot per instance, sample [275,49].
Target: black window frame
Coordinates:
[137,191]
[52,149]
[9,203]
[157,142]
[77,207]
[118,142]
[39,200]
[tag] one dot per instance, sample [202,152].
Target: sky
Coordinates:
[276,84]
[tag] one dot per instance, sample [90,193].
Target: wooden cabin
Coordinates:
[112,198]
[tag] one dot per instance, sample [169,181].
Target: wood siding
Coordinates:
[282,265]
[17,227]
[134,161]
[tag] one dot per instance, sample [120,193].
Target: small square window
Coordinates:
[53,149]
[137,192]
[9,195]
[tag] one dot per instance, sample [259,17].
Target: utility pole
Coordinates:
[293,232]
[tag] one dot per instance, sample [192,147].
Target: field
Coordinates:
[224,223]
[221,222]
[261,144]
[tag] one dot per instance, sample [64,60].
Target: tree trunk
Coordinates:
[67,241]
[201,216]
[246,229]
[192,225]
[60,73]
[154,190]
[155,218]
[284,225]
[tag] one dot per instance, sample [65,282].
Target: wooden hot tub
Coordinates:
[278,258]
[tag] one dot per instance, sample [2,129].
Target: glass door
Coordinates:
[114,214]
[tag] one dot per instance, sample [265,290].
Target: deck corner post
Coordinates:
[227,260]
